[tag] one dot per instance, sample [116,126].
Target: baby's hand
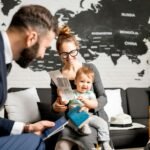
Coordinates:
[84,109]
[82,99]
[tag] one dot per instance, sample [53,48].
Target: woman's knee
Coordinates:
[63,145]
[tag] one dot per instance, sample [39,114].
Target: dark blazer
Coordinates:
[5,125]
[21,142]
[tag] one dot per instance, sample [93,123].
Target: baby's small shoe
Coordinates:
[86,129]
[107,146]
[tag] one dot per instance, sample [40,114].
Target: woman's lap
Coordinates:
[85,141]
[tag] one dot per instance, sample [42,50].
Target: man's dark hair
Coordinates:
[35,16]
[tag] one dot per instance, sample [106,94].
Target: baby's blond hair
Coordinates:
[85,70]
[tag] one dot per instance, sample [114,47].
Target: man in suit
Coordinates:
[29,34]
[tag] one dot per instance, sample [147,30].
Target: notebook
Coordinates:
[77,117]
[59,125]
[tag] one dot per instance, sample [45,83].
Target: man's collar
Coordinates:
[7,48]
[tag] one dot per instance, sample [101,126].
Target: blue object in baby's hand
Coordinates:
[75,102]
[77,117]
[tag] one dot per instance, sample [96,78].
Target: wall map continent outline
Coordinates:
[113,27]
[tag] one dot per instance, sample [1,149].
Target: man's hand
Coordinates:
[38,127]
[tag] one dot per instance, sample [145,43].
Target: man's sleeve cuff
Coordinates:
[17,128]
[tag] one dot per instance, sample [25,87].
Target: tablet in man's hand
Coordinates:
[59,125]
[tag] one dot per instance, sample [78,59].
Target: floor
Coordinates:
[140,148]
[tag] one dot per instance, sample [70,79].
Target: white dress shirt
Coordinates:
[18,126]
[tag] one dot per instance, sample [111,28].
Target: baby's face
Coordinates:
[83,83]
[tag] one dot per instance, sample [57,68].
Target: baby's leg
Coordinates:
[103,130]
[85,129]
[102,127]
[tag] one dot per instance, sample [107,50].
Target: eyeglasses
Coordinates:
[72,53]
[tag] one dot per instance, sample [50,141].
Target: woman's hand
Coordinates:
[38,127]
[60,94]
[59,105]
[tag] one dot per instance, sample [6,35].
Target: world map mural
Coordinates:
[111,27]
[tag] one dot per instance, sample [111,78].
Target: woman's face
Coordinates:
[69,52]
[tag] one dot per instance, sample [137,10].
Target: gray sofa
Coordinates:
[135,102]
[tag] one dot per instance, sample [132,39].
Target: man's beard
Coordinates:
[28,55]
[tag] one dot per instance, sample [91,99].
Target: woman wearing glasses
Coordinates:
[68,49]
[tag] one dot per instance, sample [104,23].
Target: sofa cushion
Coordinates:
[123,97]
[114,103]
[129,138]
[22,106]
[47,112]
[44,95]
[138,102]
[124,101]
